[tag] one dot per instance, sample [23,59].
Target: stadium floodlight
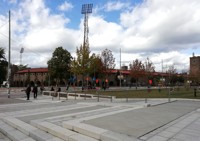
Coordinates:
[22,50]
[86,8]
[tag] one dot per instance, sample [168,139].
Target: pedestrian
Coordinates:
[59,89]
[35,91]
[41,88]
[28,90]
[52,89]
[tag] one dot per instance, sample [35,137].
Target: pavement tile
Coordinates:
[173,129]
[166,134]
[157,138]
[186,137]
[113,136]
[191,132]
[194,127]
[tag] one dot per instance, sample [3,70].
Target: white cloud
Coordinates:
[65,6]
[170,25]
[39,32]
[103,34]
[115,6]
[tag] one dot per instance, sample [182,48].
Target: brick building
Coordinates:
[33,75]
[194,65]
[40,76]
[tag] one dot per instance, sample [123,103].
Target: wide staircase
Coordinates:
[59,121]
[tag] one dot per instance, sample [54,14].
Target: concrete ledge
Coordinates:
[13,133]
[112,136]
[4,128]
[61,132]
[55,139]
[43,136]
[79,137]
[85,129]
[29,130]
[16,135]
[20,125]
[97,133]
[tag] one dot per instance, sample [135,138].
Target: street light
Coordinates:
[21,51]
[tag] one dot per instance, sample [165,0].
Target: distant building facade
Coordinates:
[41,76]
[33,75]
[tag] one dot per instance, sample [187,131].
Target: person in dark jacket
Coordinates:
[28,90]
[35,91]
[52,89]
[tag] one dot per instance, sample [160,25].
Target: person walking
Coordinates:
[35,91]
[52,89]
[28,90]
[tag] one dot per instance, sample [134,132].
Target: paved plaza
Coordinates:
[47,119]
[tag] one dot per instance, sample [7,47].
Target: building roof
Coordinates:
[34,70]
[45,70]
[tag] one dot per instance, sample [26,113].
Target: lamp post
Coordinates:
[9,69]
[120,81]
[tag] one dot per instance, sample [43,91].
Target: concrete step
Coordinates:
[61,132]
[29,112]
[12,133]
[3,137]
[29,131]
[85,114]
[96,132]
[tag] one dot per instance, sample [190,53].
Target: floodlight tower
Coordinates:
[21,51]
[86,10]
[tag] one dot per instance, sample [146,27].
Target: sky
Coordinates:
[165,31]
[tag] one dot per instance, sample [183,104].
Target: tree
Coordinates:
[108,61]
[81,65]
[149,69]
[137,69]
[172,75]
[96,67]
[3,66]
[59,65]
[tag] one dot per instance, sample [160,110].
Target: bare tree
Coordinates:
[149,69]
[137,69]
[172,74]
[108,61]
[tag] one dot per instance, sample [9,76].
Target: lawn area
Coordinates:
[153,93]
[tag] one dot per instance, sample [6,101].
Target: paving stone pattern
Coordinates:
[45,119]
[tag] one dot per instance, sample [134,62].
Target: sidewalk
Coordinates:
[156,120]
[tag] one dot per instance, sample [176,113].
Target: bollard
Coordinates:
[195,92]
[169,94]
[148,91]
[127,97]
[97,95]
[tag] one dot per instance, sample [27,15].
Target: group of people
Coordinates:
[34,90]
[58,89]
